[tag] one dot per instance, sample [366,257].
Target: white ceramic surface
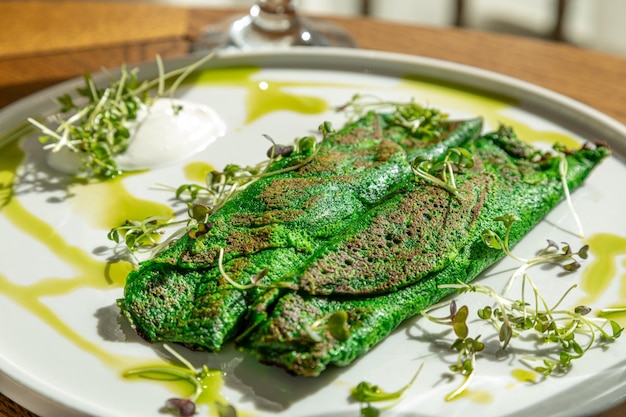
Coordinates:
[65,357]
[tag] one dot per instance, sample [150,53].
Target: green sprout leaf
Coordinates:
[366,392]
[459,322]
[492,240]
[337,325]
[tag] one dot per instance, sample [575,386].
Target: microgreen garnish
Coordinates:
[441,173]
[221,186]
[255,280]
[366,393]
[467,347]
[457,319]
[182,407]
[335,323]
[427,123]
[563,174]
[138,235]
[554,325]
[560,328]
[97,123]
[204,200]
[551,254]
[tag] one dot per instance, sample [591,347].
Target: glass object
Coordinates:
[271,24]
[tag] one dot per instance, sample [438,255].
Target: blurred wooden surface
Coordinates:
[45,42]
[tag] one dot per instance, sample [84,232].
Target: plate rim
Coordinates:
[18,386]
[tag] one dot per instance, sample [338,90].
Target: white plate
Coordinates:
[62,350]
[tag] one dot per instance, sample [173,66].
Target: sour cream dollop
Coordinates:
[166,132]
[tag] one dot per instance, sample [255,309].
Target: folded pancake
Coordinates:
[388,265]
[276,225]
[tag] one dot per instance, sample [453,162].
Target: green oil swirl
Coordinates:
[262,96]
[524,375]
[197,171]
[89,272]
[607,249]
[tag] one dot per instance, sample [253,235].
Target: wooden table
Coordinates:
[45,42]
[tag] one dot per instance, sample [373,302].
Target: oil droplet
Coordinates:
[262,97]
[476,396]
[598,275]
[524,375]
[197,171]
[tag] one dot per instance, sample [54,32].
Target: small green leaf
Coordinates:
[507,219]
[577,348]
[459,322]
[571,267]
[492,240]
[528,323]
[370,411]
[505,334]
[616,329]
[199,211]
[565,359]
[477,345]
[485,313]
[114,235]
[338,325]
[366,392]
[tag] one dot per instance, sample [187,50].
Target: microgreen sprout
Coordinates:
[570,332]
[96,123]
[139,235]
[456,319]
[563,174]
[557,327]
[427,123]
[335,323]
[551,254]
[467,347]
[561,328]
[441,173]
[182,407]
[255,280]
[366,393]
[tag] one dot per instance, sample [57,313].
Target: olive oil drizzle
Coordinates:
[197,171]
[607,249]
[89,272]
[262,97]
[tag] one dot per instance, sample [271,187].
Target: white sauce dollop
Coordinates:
[159,136]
